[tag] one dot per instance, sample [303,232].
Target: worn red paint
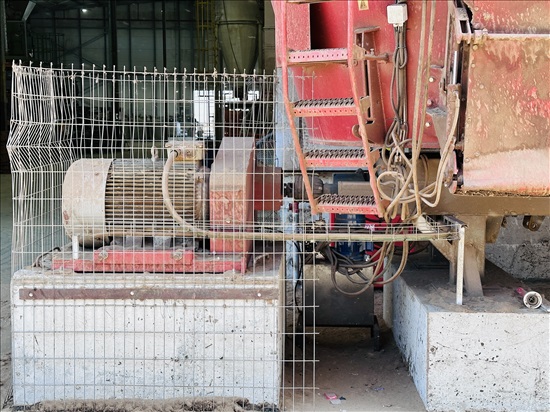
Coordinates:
[506,108]
[153,261]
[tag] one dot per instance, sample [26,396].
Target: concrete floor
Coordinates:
[347,364]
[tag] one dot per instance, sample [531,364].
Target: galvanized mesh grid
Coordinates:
[156,257]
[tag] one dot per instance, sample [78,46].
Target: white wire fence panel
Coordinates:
[148,269]
[163,248]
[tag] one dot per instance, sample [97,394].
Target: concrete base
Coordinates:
[492,353]
[521,252]
[221,339]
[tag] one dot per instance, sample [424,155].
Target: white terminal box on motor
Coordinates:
[397,14]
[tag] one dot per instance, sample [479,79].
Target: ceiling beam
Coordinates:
[28,10]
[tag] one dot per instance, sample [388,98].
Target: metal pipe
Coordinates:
[113,32]
[164,36]
[302,237]
[532,299]
[387,297]
[75,248]
[3,49]
[190,229]
[129,11]
[80,60]
[460,265]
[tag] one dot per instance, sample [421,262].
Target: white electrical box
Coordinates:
[397,14]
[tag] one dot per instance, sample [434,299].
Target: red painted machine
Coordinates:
[445,103]
[146,215]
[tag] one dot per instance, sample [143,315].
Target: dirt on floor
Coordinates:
[176,405]
[349,374]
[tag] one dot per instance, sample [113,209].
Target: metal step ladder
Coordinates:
[359,104]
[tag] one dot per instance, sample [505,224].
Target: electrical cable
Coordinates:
[168,201]
[39,259]
[399,182]
[299,279]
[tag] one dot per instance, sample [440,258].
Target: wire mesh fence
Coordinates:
[160,249]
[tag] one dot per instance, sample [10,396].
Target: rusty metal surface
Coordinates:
[318,56]
[484,202]
[231,193]
[336,158]
[298,25]
[231,183]
[371,127]
[268,188]
[510,16]
[507,130]
[363,205]
[109,259]
[327,24]
[328,107]
[147,293]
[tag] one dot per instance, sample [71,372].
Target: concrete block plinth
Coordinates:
[120,336]
[492,353]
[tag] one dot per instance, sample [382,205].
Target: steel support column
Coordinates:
[3,49]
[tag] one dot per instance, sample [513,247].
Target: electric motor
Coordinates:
[104,198]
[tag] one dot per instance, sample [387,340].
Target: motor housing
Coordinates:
[106,198]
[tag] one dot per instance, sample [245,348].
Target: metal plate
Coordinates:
[507,131]
[143,294]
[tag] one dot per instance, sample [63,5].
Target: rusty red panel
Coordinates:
[231,183]
[268,192]
[511,16]
[223,247]
[231,192]
[230,208]
[154,261]
[298,28]
[361,205]
[329,30]
[507,130]
[318,56]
